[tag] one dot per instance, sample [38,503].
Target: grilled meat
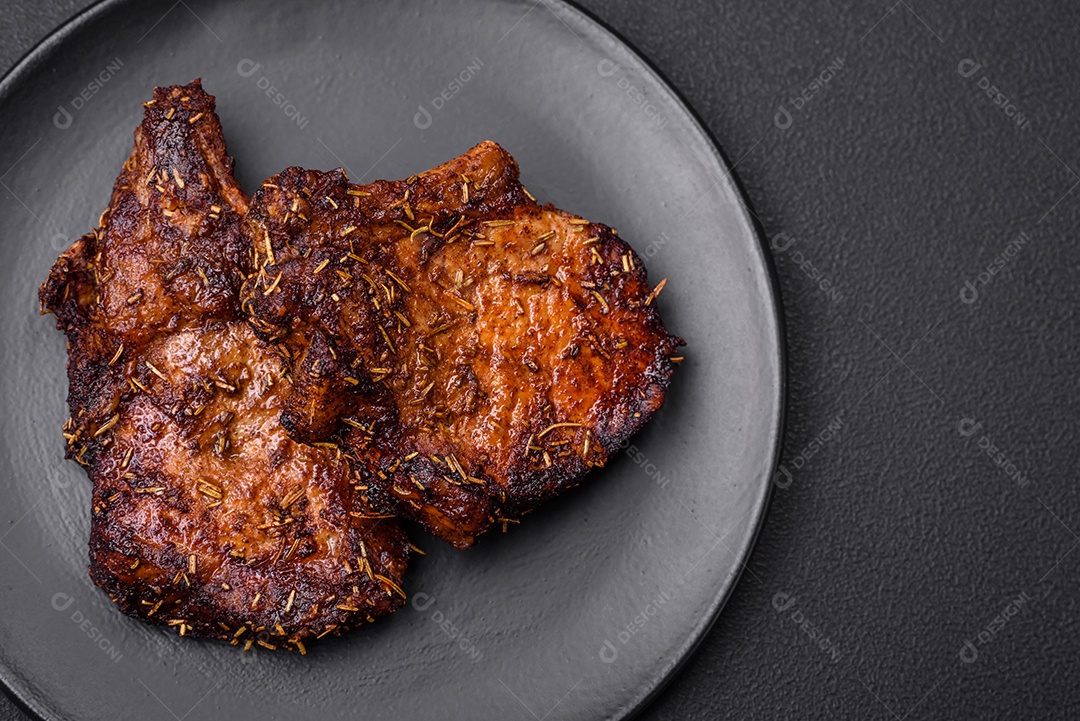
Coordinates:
[472,352]
[206,515]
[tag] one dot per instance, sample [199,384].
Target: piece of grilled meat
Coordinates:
[206,515]
[473,352]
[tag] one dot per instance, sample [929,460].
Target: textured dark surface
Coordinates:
[898,539]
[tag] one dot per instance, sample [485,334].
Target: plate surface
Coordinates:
[582,611]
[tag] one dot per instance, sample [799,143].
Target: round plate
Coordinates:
[587,607]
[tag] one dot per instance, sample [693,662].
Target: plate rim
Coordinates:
[30,705]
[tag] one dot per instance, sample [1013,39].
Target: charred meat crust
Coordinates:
[206,516]
[202,503]
[473,352]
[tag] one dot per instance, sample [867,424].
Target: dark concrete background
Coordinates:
[892,152]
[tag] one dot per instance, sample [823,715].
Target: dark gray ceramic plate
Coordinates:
[584,610]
